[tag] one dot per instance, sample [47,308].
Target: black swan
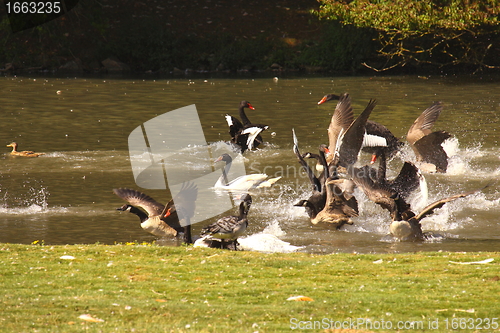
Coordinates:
[243,133]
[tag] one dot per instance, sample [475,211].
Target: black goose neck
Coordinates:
[143,216]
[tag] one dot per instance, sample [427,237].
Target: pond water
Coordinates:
[82,125]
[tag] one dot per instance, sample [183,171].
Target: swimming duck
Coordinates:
[160,220]
[25,153]
[241,183]
[427,144]
[229,228]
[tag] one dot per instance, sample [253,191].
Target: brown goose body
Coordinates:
[158,219]
[427,144]
[338,210]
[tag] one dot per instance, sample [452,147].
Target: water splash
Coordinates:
[34,202]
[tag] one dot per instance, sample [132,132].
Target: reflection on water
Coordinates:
[65,197]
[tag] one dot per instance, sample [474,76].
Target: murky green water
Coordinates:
[83,125]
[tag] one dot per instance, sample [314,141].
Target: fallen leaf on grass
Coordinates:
[300,298]
[91,319]
[485,261]
[67,257]
[160,300]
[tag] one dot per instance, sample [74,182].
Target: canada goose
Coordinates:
[332,198]
[379,192]
[427,144]
[337,210]
[241,183]
[160,220]
[346,136]
[229,228]
[377,132]
[244,133]
[321,164]
[25,153]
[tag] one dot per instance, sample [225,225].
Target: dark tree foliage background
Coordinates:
[346,37]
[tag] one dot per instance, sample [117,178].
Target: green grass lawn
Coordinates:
[146,288]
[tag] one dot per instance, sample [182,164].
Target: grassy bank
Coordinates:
[142,288]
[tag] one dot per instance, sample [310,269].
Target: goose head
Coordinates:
[125,208]
[246,203]
[328,97]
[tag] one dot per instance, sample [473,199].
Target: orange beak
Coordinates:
[167,214]
[374,158]
[250,106]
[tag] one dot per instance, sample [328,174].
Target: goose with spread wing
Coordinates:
[158,219]
[331,200]
[347,135]
[427,144]
[376,133]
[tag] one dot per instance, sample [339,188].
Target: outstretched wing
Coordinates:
[139,199]
[407,180]
[352,138]
[342,118]
[423,124]
[440,203]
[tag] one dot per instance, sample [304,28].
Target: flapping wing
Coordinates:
[235,126]
[423,124]
[353,137]
[440,203]
[253,132]
[139,199]
[342,118]
[429,147]
[407,180]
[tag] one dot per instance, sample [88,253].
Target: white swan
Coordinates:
[242,183]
